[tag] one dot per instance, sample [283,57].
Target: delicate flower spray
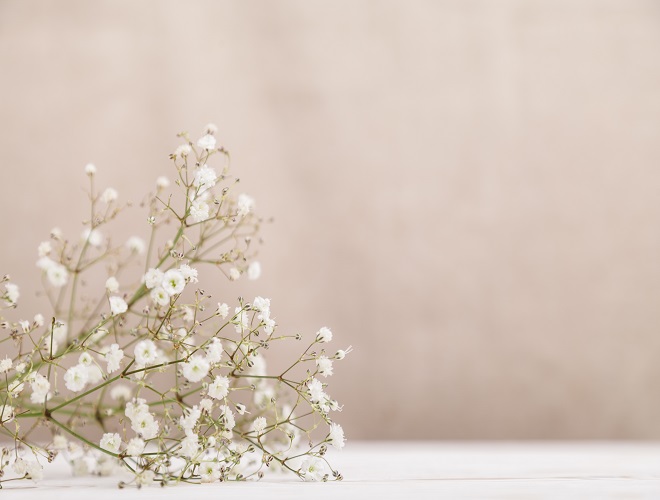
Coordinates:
[149,373]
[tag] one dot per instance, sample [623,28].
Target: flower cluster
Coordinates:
[148,376]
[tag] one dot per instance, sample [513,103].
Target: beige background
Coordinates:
[466,192]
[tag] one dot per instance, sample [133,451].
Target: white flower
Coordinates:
[163,182]
[173,282]
[205,178]
[182,151]
[254,270]
[145,424]
[12,293]
[206,405]
[223,310]
[245,204]
[38,320]
[219,388]
[153,278]
[85,359]
[269,325]
[45,262]
[34,470]
[19,466]
[135,447]
[336,436]
[90,169]
[207,142]
[234,274]
[57,275]
[315,390]
[6,414]
[109,195]
[136,407]
[25,326]
[189,419]
[112,285]
[117,305]
[324,365]
[121,391]
[136,245]
[40,388]
[76,378]
[313,469]
[227,417]
[160,296]
[259,425]
[211,128]
[324,335]
[199,210]
[263,306]
[92,236]
[60,442]
[145,352]
[20,368]
[214,351]
[209,472]
[189,445]
[189,273]
[45,248]
[114,357]
[5,365]
[196,368]
[188,314]
[111,442]
[341,354]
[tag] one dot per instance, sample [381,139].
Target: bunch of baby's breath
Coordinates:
[143,371]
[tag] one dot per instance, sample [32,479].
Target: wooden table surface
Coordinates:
[414,470]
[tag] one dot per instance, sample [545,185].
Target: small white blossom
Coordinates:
[5,365]
[219,388]
[117,305]
[196,368]
[135,447]
[324,365]
[57,275]
[324,335]
[12,293]
[259,425]
[211,128]
[189,273]
[207,142]
[45,248]
[109,195]
[241,320]
[336,436]
[223,310]
[92,236]
[76,378]
[145,352]
[245,204]
[199,211]
[214,351]
[160,296]
[153,278]
[234,274]
[136,245]
[40,388]
[206,405]
[263,306]
[189,419]
[90,169]
[313,469]
[205,178]
[189,446]
[112,285]
[60,443]
[114,357]
[145,424]
[163,182]
[315,390]
[182,151]
[111,442]
[173,282]
[254,270]
[38,320]
[25,326]
[209,472]
[341,353]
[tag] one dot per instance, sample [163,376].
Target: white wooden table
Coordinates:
[414,470]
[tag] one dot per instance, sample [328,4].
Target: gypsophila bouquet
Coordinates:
[137,369]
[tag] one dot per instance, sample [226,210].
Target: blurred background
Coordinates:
[468,192]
